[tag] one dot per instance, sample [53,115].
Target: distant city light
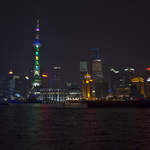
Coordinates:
[87,76]
[132,69]
[37,46]
[98,60]
[148,80]
[10,72]
[36,84]
[148,69]
[113,70]
[26,77]
[129,69]
[57,68]
[44,75]
[37,29]
[137,79]
[37,58]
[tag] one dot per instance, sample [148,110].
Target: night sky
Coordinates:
[121,29]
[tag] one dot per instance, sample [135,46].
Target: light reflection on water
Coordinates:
[41,127]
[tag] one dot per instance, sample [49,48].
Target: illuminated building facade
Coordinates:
[87,88]
[36,45]
[120,81]
[49,95]
[138,87]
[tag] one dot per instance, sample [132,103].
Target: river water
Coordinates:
[41,127]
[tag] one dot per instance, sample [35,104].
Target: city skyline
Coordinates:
[69,31]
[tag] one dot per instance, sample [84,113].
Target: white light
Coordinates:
[36,84]
[36,93]
[132,69]
[113,70]
[98,60]
[148,80]
[26,77]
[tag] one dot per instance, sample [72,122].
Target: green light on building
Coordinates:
[36,62]
[37,53]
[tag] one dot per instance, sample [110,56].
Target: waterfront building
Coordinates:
[120,81]
[48,95]
[137,87]
[87,88]
[74,91]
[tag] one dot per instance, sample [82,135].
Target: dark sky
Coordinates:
[121,29]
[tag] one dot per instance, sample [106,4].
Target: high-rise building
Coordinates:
[84,66]
[120,81]
[36,45]
[100,86]
[45,81]
[56,77]
[97,72]
[87,88]
[14,86]
[137,88]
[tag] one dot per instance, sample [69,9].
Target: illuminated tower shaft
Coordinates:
[36,45]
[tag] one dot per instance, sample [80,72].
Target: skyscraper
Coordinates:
[36,45]
[83,68]
[57,77]
[100,85]
[97,72]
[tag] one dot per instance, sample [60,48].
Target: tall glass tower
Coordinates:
[36,45]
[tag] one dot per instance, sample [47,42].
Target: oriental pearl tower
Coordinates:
[36,82]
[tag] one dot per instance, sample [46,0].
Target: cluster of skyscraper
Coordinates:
[93,82]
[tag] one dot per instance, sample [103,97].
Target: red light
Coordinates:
[148,69]
[44,75]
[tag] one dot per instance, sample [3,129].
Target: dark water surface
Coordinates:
[40,127]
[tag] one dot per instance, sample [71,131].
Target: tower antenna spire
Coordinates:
[36,45]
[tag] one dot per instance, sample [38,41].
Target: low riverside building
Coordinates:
[53,95]
[49,95]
